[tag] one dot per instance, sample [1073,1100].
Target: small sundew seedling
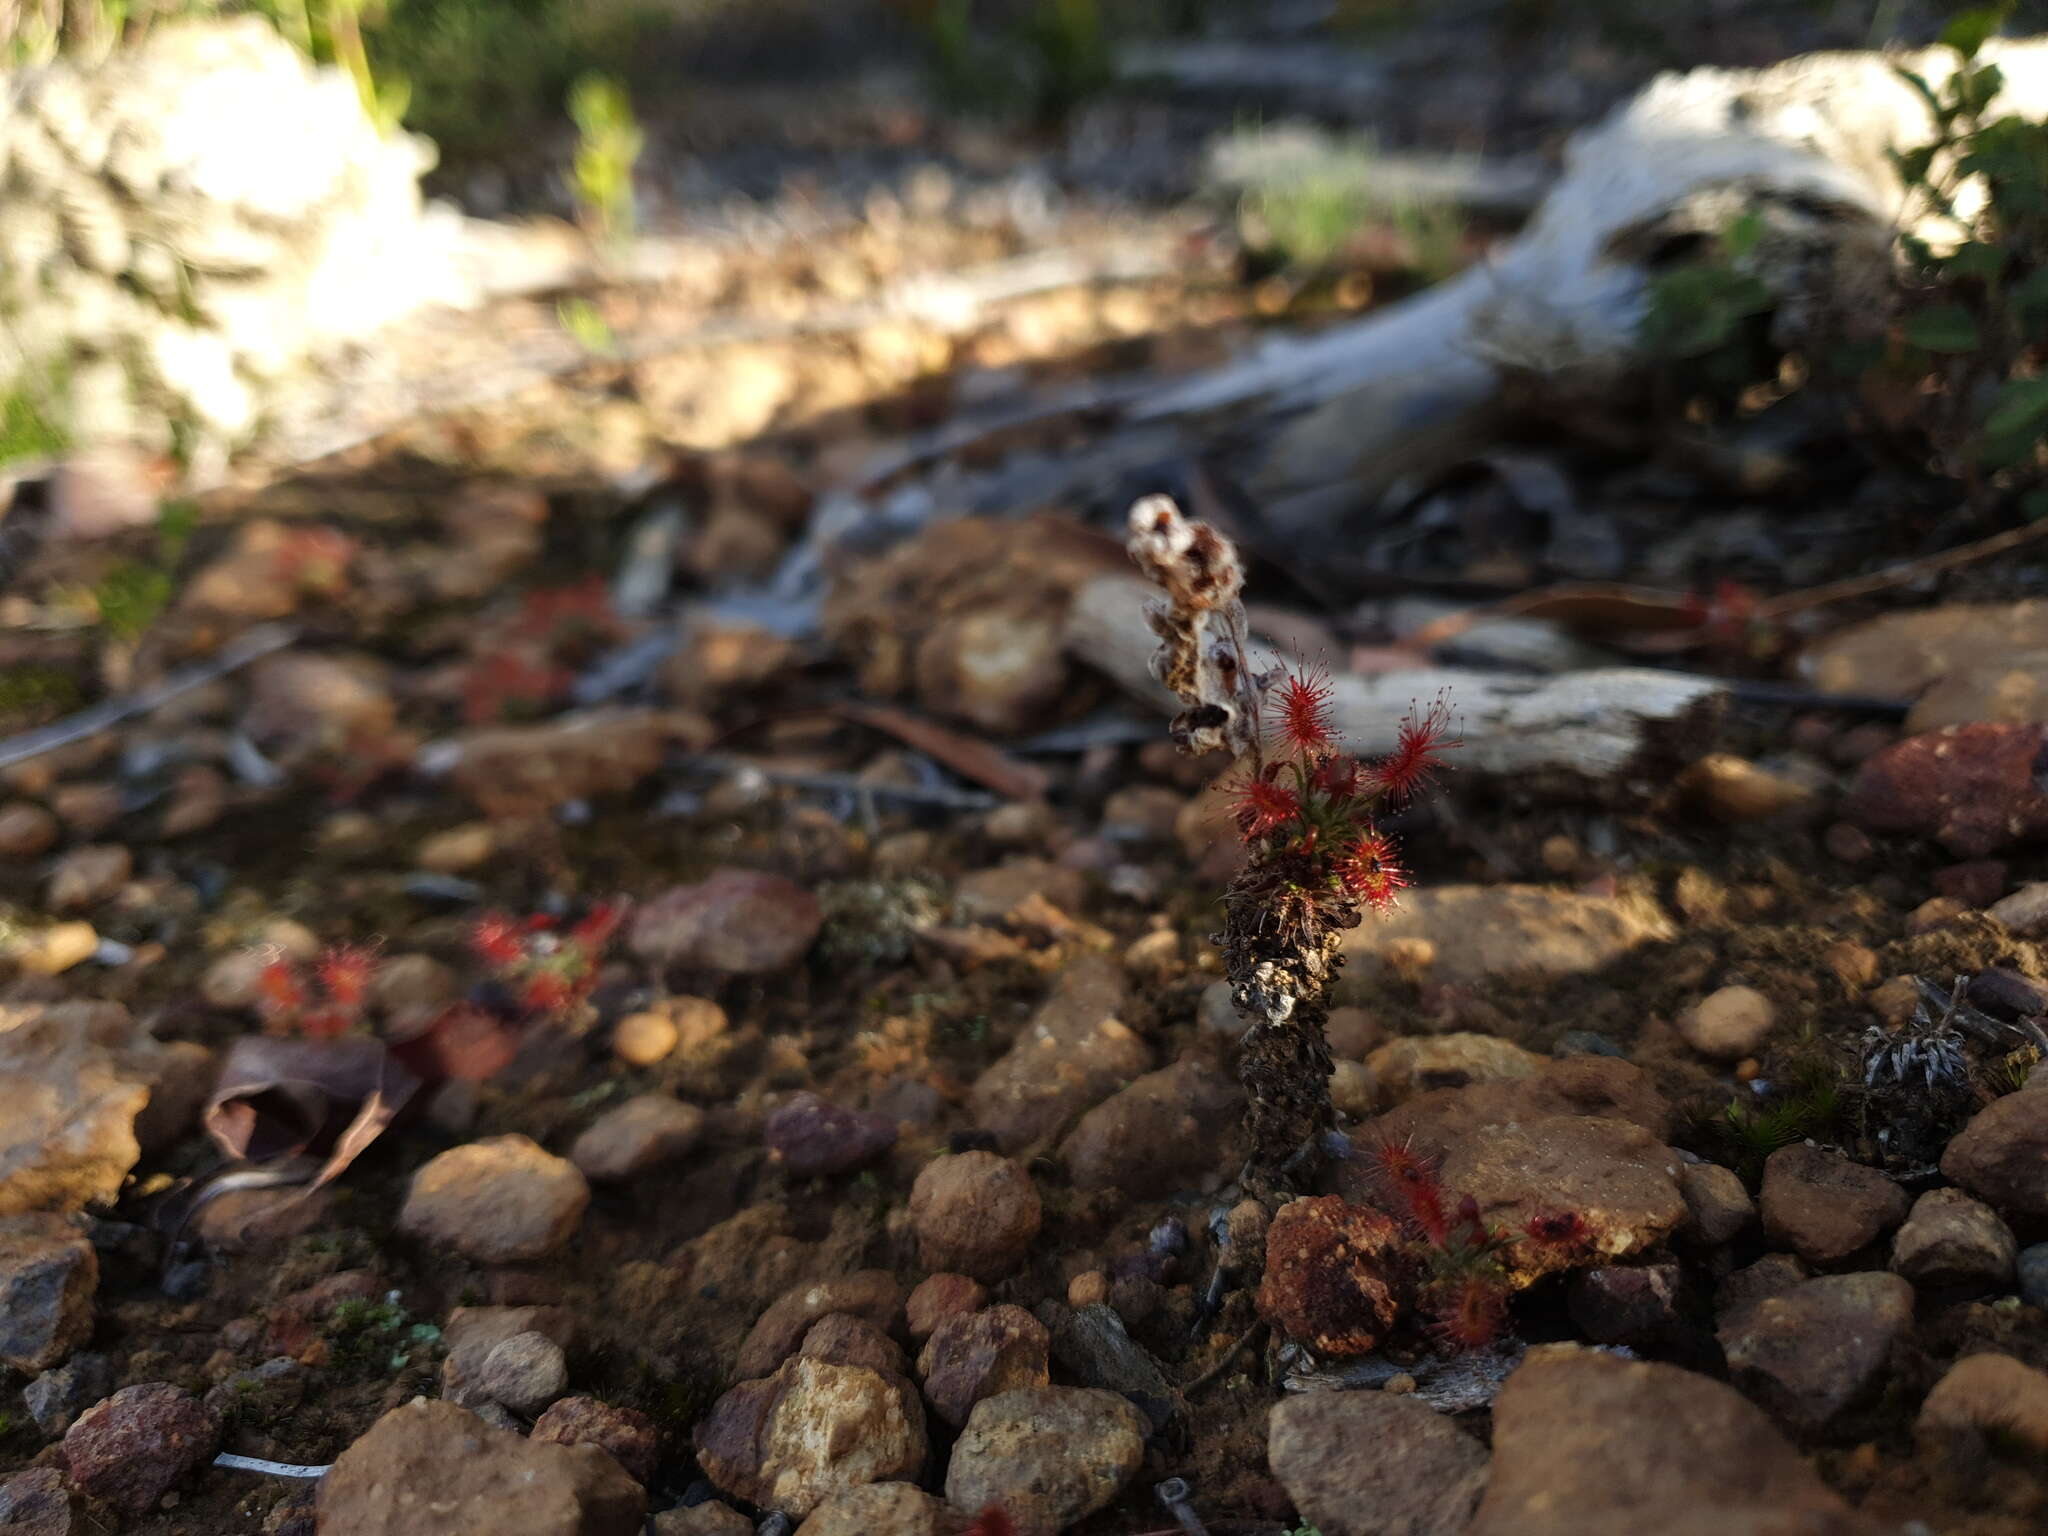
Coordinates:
[321,1001]
[548,969]
[1459,1258]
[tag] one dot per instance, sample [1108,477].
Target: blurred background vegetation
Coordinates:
[480,77]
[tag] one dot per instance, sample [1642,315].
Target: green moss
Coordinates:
[34,695]
[30,427]
[486,73]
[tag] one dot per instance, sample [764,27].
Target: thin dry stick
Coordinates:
[1655,610]
[1898,575]
[1223,1361]
[236,654]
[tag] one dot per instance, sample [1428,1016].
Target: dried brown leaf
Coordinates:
[278,1098]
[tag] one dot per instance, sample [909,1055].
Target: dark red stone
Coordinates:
[1973,788]
[1975,882]
[812,1136]
[1329,1273]
[131,1449]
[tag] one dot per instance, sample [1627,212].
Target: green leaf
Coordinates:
[1697,310]
[1743,233]
[2034,505]
[130,596]
[2022,405]
[1973,29]
[1975,89]
[1974,258]
[1926,91]
[1846,359]
[1913,164]
[2010,450]
[2030,297]
[175,521]
[2016,426]
[1943,328]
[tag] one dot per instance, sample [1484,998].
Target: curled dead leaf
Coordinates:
[281,1098]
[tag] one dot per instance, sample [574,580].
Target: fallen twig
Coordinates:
[1222,1361]
[236,654]
[236,1463]
[1608,608]
[1590,724]
[848,784]
[1898,575]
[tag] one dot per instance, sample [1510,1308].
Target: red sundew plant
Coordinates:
[1307,811]
[523,666]
[364,760]
[322,1001]
[547,969]
[511,685]
[577,614]
[991,1522]
[1311,806]
[1457,1256]
[315,559]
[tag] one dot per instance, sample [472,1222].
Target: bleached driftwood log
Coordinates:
[1586,725]
[1803,144]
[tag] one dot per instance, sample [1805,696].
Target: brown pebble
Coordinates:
[458,849]
[86,876]
[642,1039]
[1353,1033]
[87,809]
[1933,913]
[1854,965]
[938,1297]
[1861,741]
[26,830]
[698,1021]
[976,1213]
[1813,734]
[1409,957]
[1893,1001]
[1088,1289]
[1246,1226]
[1974,883]
[1848,844]
[53,950]
[1733,789]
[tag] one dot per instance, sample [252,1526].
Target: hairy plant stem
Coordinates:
[1281,957]
[1285,1068]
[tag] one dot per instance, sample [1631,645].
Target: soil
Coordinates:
[671,1269]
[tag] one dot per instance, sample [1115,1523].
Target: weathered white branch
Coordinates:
[1591,724]
[1804,143]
